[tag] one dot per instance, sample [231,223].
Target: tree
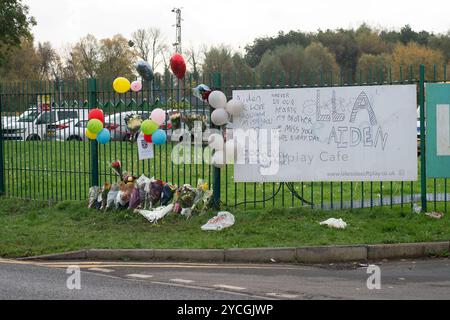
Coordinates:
[260,46]
[311,65]
[193,57]
[413,55]
[15,25]
[373,67]
[23,63]
[369,41]
[217,59]
[116,58]
[287,59]
[441,42]
[343,45]
[150,45]
[84,58]
[49,60]
[320,63]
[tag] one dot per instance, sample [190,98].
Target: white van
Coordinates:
[33,125]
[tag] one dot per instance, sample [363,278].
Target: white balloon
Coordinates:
[215,141]
[220,117]
[217,99]
[230,151]
[218,159]
[234,107]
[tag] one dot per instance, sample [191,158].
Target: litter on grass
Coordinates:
[334,223]
[435,215]
[221,221]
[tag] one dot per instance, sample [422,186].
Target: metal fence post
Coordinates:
[92,91]
[2,156]
[423,171]
[217,82]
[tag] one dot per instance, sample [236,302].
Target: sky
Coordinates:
[230,22]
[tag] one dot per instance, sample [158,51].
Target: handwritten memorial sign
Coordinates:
[329,134]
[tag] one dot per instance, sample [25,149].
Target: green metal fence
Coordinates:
[43,168]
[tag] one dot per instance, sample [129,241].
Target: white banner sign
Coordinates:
[328,134]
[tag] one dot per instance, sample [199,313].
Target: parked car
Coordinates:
[34,125]
[7,120]
[70,130]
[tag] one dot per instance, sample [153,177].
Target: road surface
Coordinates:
[406,279]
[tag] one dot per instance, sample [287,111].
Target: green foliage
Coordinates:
[295,62]
[15,25]
[347,45]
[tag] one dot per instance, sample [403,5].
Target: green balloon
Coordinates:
[149,127]
[95,126]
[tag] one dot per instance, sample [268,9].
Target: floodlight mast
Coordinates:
[177,43]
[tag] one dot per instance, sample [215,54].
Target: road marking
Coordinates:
[281,295]
[139,276]
[182,281]
[224,286]
[101,270]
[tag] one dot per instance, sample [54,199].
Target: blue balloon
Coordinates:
[104,136]
[145,70]
[159,137]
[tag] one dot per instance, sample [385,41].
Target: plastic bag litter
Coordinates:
[435,215]
[221,221]
[334,223]
[155,215]
[112,194]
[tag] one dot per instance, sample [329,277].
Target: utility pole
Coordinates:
[177,43]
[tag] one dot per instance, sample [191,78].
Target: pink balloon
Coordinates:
[136,86]
[159,116]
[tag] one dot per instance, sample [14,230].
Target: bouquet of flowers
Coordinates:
[133,122]
[185,196]
[116,167]
[190,119]
[175,119]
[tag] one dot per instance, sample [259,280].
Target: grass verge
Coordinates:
[30,228]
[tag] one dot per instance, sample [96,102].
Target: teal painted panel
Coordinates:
[438,130]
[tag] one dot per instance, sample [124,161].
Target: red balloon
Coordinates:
[148,138]
[97,114]
[178,65]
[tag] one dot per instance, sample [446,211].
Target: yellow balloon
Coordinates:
[90,135]
[121,85]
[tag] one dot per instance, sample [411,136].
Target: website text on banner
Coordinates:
[364,133]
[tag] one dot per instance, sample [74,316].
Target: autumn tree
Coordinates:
[373,68]
[115,58]
[369,41]
[23,63]
[84,58]
[413,55]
